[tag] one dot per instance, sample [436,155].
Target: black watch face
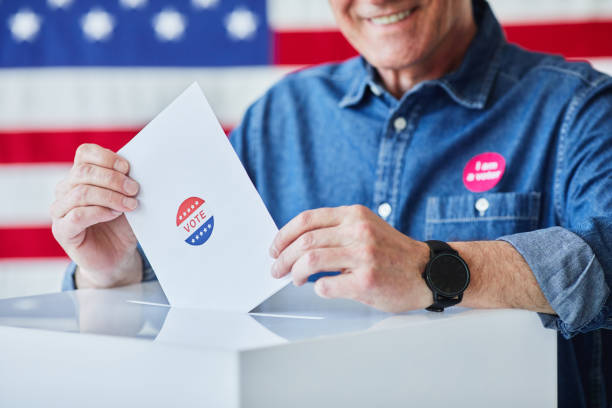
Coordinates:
[448,274]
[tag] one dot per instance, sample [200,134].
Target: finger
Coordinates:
[86,173]
[340,286]
[100,156]
[80,218]
[321,238]
[305,221]
[85,195]
[320,260]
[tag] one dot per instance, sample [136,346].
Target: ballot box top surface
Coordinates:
[142,312]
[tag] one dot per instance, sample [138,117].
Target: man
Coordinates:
[447,132]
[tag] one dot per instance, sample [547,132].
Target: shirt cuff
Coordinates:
[68,281]
[148,274]
[570,277]
[147,270]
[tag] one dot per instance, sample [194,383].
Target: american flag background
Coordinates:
[76,71]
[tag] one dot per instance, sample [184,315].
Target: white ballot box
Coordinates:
[127,347]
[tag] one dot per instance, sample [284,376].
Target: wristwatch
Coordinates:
[446,274]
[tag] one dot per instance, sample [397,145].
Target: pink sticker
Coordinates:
[484,171]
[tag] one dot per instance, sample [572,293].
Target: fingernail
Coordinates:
[274,270]
[121,165]
[273,252]
[130,203]
[130,186]
[116,212]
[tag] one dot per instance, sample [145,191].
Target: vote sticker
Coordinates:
[195,221]
[484,171]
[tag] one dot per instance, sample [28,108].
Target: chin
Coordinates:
[392,60]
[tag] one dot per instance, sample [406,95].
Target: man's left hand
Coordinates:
[379,265]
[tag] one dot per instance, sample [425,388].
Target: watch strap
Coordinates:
[440,302]
[440,247]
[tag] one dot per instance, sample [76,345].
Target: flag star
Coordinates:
[184,214]
[197,237]
[24,25]
[188,210]
[192,241]
[180,217]
[208,225]
[202,233]
[97,25]
[204,4]
[57,4]
[241,24]
[196,203]
[192,206]
[133,4]
[169,25]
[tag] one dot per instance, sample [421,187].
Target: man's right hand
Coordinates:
[88,220]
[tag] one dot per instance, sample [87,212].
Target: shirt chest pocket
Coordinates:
[471,217]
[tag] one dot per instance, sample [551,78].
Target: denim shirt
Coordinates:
[332,135]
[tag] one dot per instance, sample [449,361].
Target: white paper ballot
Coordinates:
[200,221]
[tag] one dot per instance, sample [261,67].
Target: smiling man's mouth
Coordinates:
[392,18]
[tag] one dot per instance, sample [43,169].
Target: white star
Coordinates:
[188,210]
[208,225]
[24,25]
[184,214]
[169,25]
[180,217]
[192,206]
[241,24]
[202,233]
[97,25]
[197,237]
[196,203]
[192,241]
[204,4]
[133,4]
[57,4]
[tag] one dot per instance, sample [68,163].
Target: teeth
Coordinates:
[391,18]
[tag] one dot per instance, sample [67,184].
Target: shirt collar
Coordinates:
[470,84]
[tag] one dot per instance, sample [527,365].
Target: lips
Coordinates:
[391,18]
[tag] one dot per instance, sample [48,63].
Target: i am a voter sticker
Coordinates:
[195,221]
[484,171]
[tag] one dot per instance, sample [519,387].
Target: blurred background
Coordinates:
[77,71]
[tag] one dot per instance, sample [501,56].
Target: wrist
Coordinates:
[127,273]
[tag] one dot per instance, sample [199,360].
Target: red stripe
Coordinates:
[58,146]
[571,39]
[310,47]
[29,242]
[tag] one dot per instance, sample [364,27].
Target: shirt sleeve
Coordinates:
[148,274]
[572,263]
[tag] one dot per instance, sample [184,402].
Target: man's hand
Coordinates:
[382,267]
[379,265]
[88,220]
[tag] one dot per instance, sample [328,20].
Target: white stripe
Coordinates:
[529,11]
[602,64]
[31,277]
[28,191]
[127,97]
[300,14]
[316,14]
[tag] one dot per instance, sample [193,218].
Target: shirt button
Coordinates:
[482,205]
[384,210]
[399,124]
[375,90]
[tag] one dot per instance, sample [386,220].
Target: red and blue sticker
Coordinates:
[195,221]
